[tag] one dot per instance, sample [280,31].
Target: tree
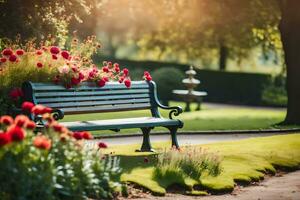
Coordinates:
[290,36]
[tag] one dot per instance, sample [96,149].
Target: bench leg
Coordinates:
[146,146]
[173,131]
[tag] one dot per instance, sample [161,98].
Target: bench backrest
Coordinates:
[89,98]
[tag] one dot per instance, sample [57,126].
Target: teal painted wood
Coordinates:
[105,97]
[120,123]
[113,97]
[90,93]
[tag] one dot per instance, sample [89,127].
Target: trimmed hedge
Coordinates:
[224,87]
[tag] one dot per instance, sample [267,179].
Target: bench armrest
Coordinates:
[58,114]
[175,110]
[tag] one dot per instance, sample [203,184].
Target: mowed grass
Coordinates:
[209,118]
[243,161]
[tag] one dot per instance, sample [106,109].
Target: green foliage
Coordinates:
[64,170]
[167,79]
[275,92]
[189,161]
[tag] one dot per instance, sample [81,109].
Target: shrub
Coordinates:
[54,164]
[274,92]
[189,161]
[167,79]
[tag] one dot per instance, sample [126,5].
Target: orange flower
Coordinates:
[42,142]
[21,120]
[6,119]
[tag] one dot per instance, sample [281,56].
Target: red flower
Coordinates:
[59,128]
[16,93]
[54,50]
[77,135]
[116,65]
[39,52]
[47,110]
[39,65]
[4,139]
[54,57]
[27,106]
[16,133]
[65,54]
[74,69]
[80,76]
[109,64]
[101,82]
[3,60]
[12,58]
[30,125]
[20,52]
[21,120]
[125,71]
[148,77]
[42,142]
[146,73]
[127,83]
[121,79]
[75,81]
[105,69]
[102,145]
[7,52]
[146,160]
[86,135]
[105,79]
[6,119]
[44,48]
[38,109]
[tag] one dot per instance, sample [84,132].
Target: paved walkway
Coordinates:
[186,139]
[282,187]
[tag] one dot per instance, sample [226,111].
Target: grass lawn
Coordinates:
[242,161]
[225,118]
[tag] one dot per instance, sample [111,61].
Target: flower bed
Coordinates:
[52,164]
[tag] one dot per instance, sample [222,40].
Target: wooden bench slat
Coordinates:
[91,93]
[106,108]
[120,123]
[96,103]
[75,98]
[88,86]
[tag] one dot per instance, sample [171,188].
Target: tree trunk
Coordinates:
[223,52]
[290,36]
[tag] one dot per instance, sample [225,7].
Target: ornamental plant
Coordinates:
[49,63]
[53,164]
[187,162]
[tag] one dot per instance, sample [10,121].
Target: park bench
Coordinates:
[113,97]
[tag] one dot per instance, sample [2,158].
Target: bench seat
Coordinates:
[113,97]
[116,124]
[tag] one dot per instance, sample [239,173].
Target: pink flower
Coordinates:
[54,50]
[42,142]
[125,71]
[121,79]
[39,65]
[127,83]
[65,54]
[12,58]
[146,73]
[7,52]
[20,52]
[109,64]
[102,145]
